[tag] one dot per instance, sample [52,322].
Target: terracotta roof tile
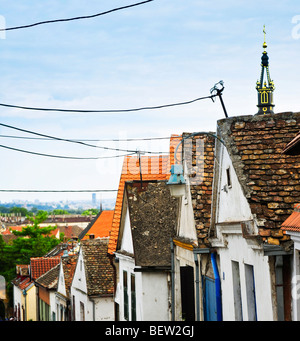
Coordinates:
[200,167]
[292,223]
[99,271]
[40,265]
[269,179]
[101,227]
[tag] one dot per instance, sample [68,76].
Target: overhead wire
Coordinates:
[74,18]
[88,140]
[108,110]
[64,157]
[57,191]
[75,141]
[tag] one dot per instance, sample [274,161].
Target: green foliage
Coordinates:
[92,211]
[32,241]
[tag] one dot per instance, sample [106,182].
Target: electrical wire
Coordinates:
[64,157]
[57,191]
[74,18]
[76,141]
[88,140]
[108,111]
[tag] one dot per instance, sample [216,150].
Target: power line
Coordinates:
[108,110]
[64,157]
[88,140]
[74,18]
[75,141]
[57,191]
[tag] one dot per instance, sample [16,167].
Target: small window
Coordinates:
[125,293]
[133,299]
[229,184]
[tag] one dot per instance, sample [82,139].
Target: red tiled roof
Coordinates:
[292,223]
[153,168]
[41,265]
[102,226]
[12,228]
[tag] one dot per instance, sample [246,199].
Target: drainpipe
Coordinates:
[218,286]
[197,287]
[172,281]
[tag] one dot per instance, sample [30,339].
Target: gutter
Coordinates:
[172,281]
[218,286]
[196,252]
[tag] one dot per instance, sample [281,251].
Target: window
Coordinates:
[125,296]
[82,317]
[133,298]
[250,290]
[229,184]
[237,297]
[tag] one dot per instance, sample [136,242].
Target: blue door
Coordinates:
[210,302]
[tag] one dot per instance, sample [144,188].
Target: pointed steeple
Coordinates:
[265,85]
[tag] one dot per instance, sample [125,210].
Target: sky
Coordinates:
[160,52]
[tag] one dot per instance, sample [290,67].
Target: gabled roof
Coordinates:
[100,227]
[22,282]
[269,179]
[50,278]
[153,217]
[153,168]
[98,269]
[40,265]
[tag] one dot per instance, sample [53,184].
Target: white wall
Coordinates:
[238,250]
[232,204]
[232,208]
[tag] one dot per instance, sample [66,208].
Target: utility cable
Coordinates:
[57,191]
[74,141]
[74,18]
[108,111]
[64,157]
[89,140]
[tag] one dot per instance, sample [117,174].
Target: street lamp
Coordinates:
[177,182]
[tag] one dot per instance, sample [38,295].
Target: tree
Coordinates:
[33,240]
[90,211]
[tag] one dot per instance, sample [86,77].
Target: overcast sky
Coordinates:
[161,52]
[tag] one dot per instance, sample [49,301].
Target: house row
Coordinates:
[223,247]
[70,282]
[209,232]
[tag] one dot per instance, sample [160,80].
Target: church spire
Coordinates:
[265,85]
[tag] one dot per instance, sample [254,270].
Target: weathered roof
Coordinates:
[199,155]
[50,278]
[153,216]
[153,168]
[100,227]
[292,223]
[269,179]
[99,271]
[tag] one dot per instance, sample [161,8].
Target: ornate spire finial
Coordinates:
[265,86]
[264,44]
